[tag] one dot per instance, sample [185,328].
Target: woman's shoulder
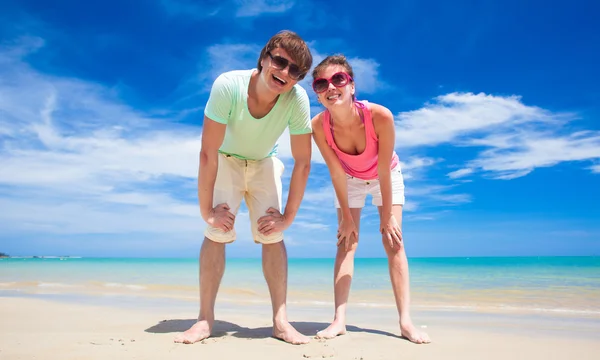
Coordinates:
[377,110]
[380,114]
[317,121]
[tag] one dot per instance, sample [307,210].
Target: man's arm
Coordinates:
[301,151]
[213,134]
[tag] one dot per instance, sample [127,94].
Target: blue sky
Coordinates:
[496,103]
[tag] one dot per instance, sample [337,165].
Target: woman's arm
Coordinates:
[346,227]
[383,122]
[338,175]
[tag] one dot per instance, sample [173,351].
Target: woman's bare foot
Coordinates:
[286,332]
[199,331]
[336,328]
[409,331]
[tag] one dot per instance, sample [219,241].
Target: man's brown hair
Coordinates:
[293,44]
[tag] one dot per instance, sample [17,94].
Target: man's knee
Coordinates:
[210,242]
[219,236]
[272,239]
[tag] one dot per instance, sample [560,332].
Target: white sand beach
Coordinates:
[33,328]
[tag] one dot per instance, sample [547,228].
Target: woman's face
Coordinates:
[334,86]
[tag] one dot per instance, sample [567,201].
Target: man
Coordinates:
[246,113]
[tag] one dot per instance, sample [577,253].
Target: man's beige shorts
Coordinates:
[256,181]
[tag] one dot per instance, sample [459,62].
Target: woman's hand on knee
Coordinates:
[391,232]
[347,234]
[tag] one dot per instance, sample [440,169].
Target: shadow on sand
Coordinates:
[222,328]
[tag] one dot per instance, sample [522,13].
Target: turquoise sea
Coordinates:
[549,285]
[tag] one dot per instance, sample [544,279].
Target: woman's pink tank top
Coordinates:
[363,165]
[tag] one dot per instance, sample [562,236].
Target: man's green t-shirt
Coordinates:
[247,137]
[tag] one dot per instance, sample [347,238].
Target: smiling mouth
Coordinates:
[333,97]
[279,80]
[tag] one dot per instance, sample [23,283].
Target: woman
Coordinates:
[357,140]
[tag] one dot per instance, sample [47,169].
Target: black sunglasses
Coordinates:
[280,63]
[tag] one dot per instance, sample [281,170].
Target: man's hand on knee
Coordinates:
[221,218]
[273,222]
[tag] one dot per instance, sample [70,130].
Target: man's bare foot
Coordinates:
[409,331]
[199,331]
[336,328]
[286,332]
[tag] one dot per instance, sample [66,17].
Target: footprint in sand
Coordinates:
[318,356]
[210,340]
[322,353]
[120,341]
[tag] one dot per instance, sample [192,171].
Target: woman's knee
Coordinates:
[349,250]
[392,247]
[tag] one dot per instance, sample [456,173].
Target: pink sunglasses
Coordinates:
[338,80]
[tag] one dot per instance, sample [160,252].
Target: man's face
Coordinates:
[277,68]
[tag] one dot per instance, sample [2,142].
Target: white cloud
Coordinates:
[425,216]
[85,213]
[19,48]
[417,162]
[320,197]
[190,8]
[366,76]
[526,152]
[82,161]
[459,114]
[220,58]
[460,173]
[237,8]
[410,206]
[251,8]
[310,225]
[595,168]
[284,148]
[434,196]
[215,60]
[517,138]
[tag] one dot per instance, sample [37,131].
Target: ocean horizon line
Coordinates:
[298,257]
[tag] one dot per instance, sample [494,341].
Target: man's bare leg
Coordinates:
[342,277]
[398,267]
[274,261]
[212,267]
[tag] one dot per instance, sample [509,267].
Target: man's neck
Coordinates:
[259,91]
